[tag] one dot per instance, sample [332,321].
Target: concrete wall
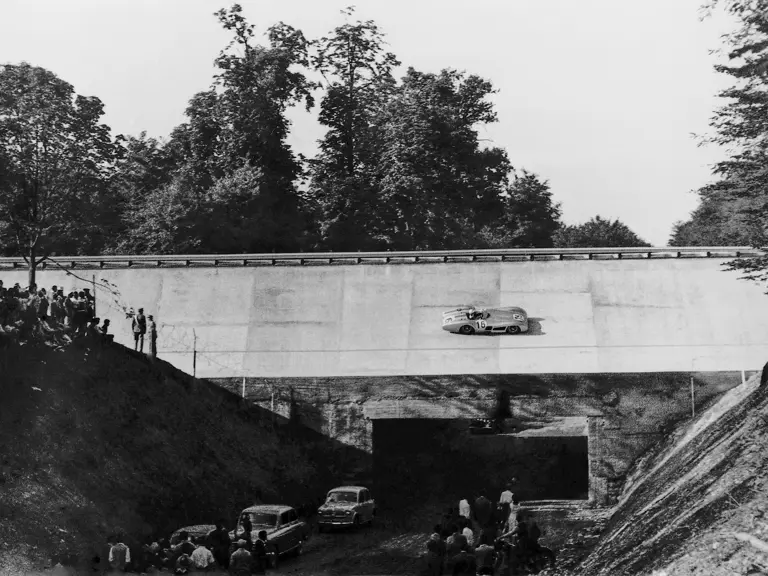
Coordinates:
[369,320]
[624,413]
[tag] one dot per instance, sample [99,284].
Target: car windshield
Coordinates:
[342,497]
[260,519]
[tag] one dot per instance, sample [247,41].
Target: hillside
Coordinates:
[93,441]
[697,504]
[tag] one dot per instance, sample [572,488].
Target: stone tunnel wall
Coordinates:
[625,413]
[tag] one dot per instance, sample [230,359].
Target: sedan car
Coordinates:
[285,530]
[471,320]
[196,532]
[347,506]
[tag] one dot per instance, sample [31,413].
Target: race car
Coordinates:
[471,320]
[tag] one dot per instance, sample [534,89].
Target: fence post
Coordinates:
[194,354]
[693,400]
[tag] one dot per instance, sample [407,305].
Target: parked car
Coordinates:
[347,506]
[471,320]
[195,532]
[285,530]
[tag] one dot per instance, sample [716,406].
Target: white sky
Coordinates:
[600,97]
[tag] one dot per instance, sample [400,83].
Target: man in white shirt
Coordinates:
[202,558]
[507,495]
[468,534]
[119,555]
[464,508]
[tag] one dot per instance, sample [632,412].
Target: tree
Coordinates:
[598,233]
[529,218]
[235,136]
[733,208]
[438,187]
[357,73]
[55,160]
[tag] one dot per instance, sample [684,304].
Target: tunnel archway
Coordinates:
[416,461]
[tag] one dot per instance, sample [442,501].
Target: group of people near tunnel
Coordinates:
[242,552]
[36,314]
[485,538]
[249,552]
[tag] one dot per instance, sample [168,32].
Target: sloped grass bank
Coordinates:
[688,504]
[95,440]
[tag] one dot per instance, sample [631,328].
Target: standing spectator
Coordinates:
[219,542]
[483,510]
[42,305]
[464,508]
[262,552]
[484,555]
[507,495]
[202,558]
[240,561]
[56,309]
[104,329]
[435,552]
[455,542]
[139,329]
[184,546]
[152,337]
[119,555]
[467,532]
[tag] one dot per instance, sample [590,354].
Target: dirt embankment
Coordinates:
[696,504]
[98,440]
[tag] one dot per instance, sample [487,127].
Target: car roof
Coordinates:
[355,488]
[268,508]
[197,529]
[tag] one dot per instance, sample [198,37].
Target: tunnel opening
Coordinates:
[436,462]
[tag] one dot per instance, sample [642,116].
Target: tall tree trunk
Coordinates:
[32,264]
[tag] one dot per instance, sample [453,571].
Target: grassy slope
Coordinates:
[689,497]
[111,441]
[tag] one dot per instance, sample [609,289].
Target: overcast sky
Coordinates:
[600,97]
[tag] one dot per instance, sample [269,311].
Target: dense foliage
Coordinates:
[400,166]
[732,208]
[597,233]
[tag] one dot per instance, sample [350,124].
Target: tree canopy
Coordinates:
[400,166]
[733,208]
[596,233]
[55,160]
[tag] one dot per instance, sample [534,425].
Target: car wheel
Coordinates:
[466,330]
[513,329]
[356,522]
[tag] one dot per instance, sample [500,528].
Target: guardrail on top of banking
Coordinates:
[305,258]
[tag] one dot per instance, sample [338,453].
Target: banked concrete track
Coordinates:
[609,310]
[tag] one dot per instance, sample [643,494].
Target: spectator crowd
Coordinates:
[37,315]
[486,538]
[52,316]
